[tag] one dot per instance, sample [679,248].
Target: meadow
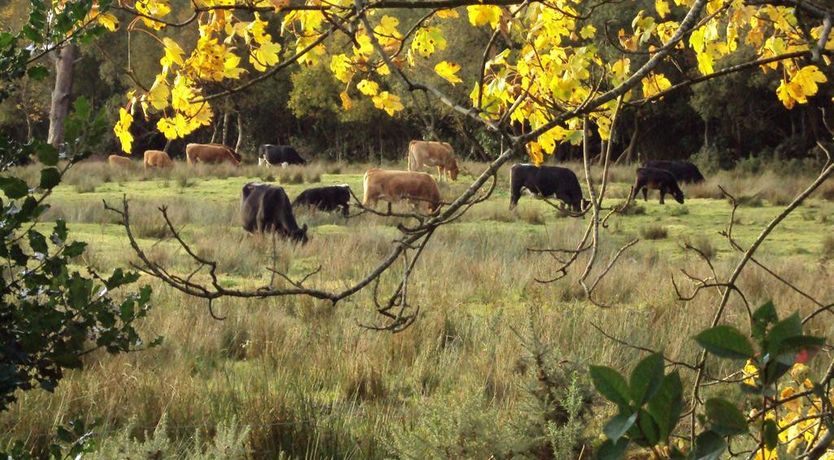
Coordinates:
[302,378]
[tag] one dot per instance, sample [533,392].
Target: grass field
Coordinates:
[302,378]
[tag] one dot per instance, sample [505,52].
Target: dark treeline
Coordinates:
[719,122]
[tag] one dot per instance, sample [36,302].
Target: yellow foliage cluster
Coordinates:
[554,67]
[797,415]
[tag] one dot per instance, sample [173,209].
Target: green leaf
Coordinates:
[770,433]
[13,187]
[37,72]
[617,426]
[650,434]
[611,384]
[646,378]
[75,249]
[47,154]
[725,417]
[50,177]
[763,317]
[666,406]
[788,327]
[37,242]
[709,446]
[725,342]
[795,344]
[612,451]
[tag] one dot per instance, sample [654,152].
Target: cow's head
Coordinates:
[300,235]
[454,170]
[678,194]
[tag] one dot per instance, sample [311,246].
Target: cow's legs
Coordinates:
[645,191]
[662,194]
[345,210]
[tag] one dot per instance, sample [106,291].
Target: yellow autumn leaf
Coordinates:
[662,8]
[535,152]
[158,94]
[265,56]
[231,67]
[654,83]
[448,71]
[347,102]
[342,67]
[480,15]
[588,31]
[368,87]
[173,53]
[122,129]
[807,79]
[174,127]
[386,32]
[447,14]
[704,63]
[388,102]
[427,41]
[108,21]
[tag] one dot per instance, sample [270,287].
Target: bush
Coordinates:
[654,232]
[631,209]
[703,244]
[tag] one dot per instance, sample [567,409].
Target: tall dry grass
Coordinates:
[301,378]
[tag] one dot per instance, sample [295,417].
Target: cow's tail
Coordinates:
[234,156]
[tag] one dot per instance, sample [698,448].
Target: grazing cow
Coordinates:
[684,171]
[272,155]
[546,181]
[431,153]
[157,159]
[266,209]
[210,153]
[391,186]
[120,161]
[656,179]
[325,198]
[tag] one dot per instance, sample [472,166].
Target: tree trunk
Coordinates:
[706,132]
[215,132]
[239,143]
[226,122]
[64,62]
[632,145]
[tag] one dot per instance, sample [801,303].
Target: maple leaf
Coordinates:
[172,127]
[447,14]
[265,56]
[448,71]
[588,31]
[388,102]
[661,7]
[122,129]
[535,152]
[480,15]
[806,80]
[386,32]
[108,21]
[173,53]
[342,67]
[368,87]
[427,41]
[654,83]
[159,92]
[347,102]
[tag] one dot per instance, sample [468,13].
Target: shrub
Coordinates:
[703,244]
[750,201]
[679,211]
[631,209]
[654,232]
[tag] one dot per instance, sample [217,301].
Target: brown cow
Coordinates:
[431,153]
[392,186]
[157,159]
[210,153]
[120,161]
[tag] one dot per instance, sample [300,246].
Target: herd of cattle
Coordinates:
[266,208]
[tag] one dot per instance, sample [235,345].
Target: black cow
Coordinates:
[272,155]
[546,181]
[265,209]
[328,199]
[684,171]
[656,179]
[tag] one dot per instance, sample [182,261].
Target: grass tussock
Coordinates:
[654,232]
[828,247]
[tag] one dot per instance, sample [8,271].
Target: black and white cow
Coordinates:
[266,208]
[273,155]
